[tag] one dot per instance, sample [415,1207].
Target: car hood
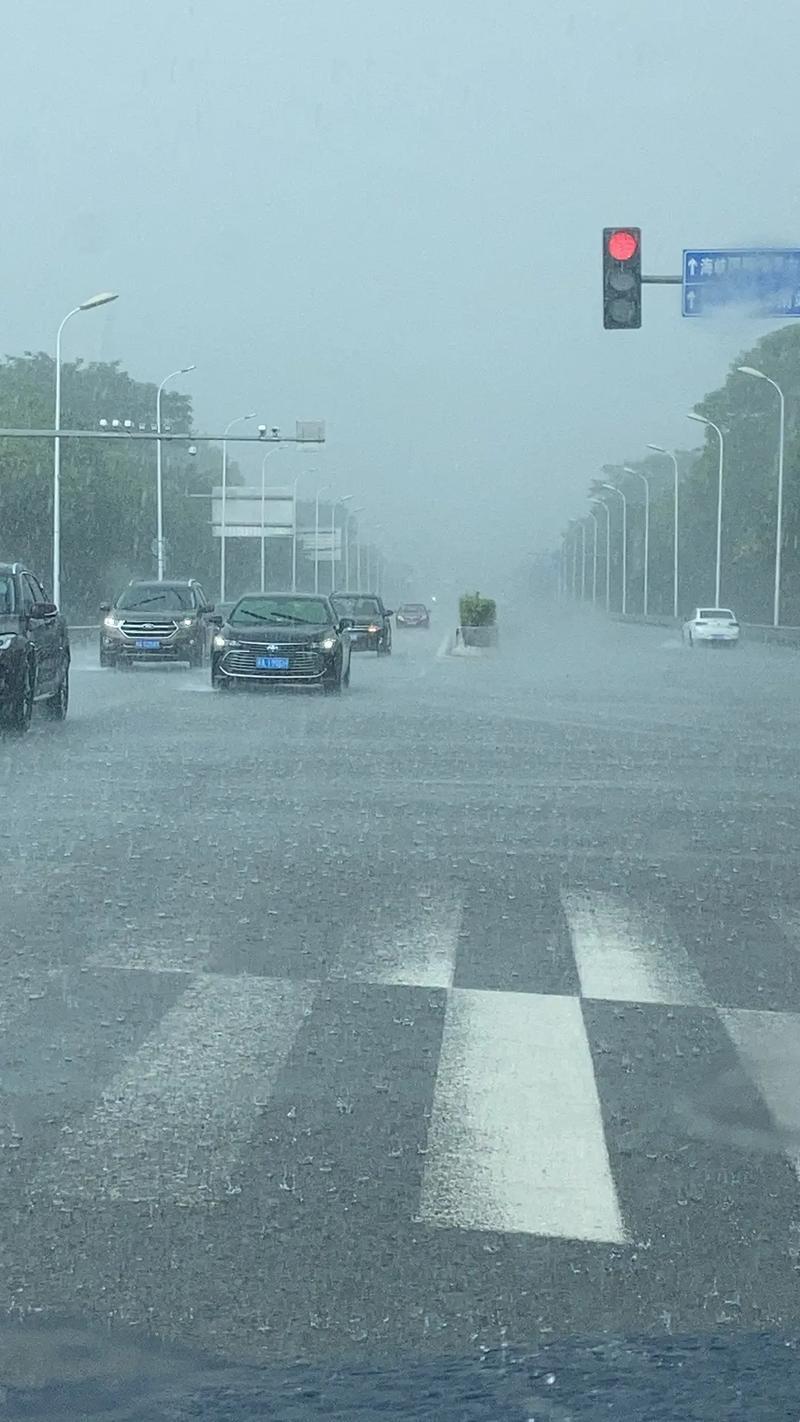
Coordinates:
[260,635]
[135,614]
[63,1372]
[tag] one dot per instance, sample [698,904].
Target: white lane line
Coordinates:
[172,1124]
[625,955]
[516,1141]
[419,952]
[768,1044]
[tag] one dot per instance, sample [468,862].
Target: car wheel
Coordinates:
[18,709]
[58,705]
[346,678]
[196,658]
[332,686]
[106,660]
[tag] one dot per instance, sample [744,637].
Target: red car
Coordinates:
[413,614]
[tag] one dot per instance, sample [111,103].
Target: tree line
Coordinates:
[747,411]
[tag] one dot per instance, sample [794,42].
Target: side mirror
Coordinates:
[216,619]
[210,607]
[42,610]
[389,611]
[345,623]
[105,607]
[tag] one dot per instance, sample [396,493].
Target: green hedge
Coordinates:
[477,611]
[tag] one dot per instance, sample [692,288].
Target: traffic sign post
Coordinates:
[764,279]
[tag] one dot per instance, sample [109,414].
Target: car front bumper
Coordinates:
[307,667]
[178,647]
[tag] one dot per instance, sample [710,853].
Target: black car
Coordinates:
[282,638]
[157,622]
[34,650]
[372,626]
[413,614]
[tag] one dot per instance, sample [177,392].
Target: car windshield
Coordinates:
[401,988]
[298,612]
[359,607]
[6,593]
[153,597]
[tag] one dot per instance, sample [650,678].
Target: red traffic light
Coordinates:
[622,245]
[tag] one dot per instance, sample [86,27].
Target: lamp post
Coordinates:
[776,596]
[184,370]
[237,421]
[323,490]
[615,490]
[701,420]
[264,520]
[294,534]
[583,560]
[349,516]
[659,449]
[601,503]
[593,517]
[102,299]
[645,588]
[345,499]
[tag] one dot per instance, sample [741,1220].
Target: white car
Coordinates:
[716,625]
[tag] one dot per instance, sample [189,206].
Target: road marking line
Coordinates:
[172,1123]
[516,1141]
[626,955]
[768,1044]
[420,952]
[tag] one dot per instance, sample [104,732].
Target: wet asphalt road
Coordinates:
[463,1010]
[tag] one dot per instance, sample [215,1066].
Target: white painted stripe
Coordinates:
[626,955]
[172,1123]
[516,1139]
[768,1044]
[417,951]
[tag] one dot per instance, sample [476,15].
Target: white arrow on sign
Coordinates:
[691,266]
[690,300]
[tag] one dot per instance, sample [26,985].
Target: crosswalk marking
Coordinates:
[171,1124]
[516,1140]
[418,950]
[626,955]
[768,1044]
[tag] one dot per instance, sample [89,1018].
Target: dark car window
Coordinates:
[154,597]
[7,594]
[293,611]
[357,606]
[29,594]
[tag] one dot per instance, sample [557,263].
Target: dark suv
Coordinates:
[157,622]
[34,650]
[371,621]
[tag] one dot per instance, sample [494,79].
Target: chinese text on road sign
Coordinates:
[764,279]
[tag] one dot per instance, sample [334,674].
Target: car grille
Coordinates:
[131,628]
[302,662]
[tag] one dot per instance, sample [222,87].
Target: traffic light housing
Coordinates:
[622,278]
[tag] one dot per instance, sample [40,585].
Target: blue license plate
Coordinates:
[272,663]
[148,644]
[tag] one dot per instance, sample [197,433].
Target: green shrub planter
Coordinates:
[478,620]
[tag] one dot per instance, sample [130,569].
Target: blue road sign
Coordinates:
[764,279]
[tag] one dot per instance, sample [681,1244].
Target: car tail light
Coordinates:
[373,629]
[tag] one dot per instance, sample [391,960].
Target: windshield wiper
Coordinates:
[256,616]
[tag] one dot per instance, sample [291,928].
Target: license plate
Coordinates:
[148,644]
[272,663]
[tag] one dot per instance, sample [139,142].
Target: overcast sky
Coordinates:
[387,214]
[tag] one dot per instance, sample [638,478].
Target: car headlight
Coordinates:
[5,641]
[112,621]
[327,644]
[187,622]
[373,629]
[220,642]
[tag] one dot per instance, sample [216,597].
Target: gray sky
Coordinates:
[388,215]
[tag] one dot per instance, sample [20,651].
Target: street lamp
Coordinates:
[323,490]
[583,560]
[659,449]
[264,519]
[102,299]
[776,598]
[593,517]
[349,516]
[601,504]
[345,499]
[638,474]
[237,421]
[574,560]
[294,534]
[615,490]
[701,420]
[184,370]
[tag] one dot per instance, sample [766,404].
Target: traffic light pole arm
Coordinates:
[165,438]
[662,281]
